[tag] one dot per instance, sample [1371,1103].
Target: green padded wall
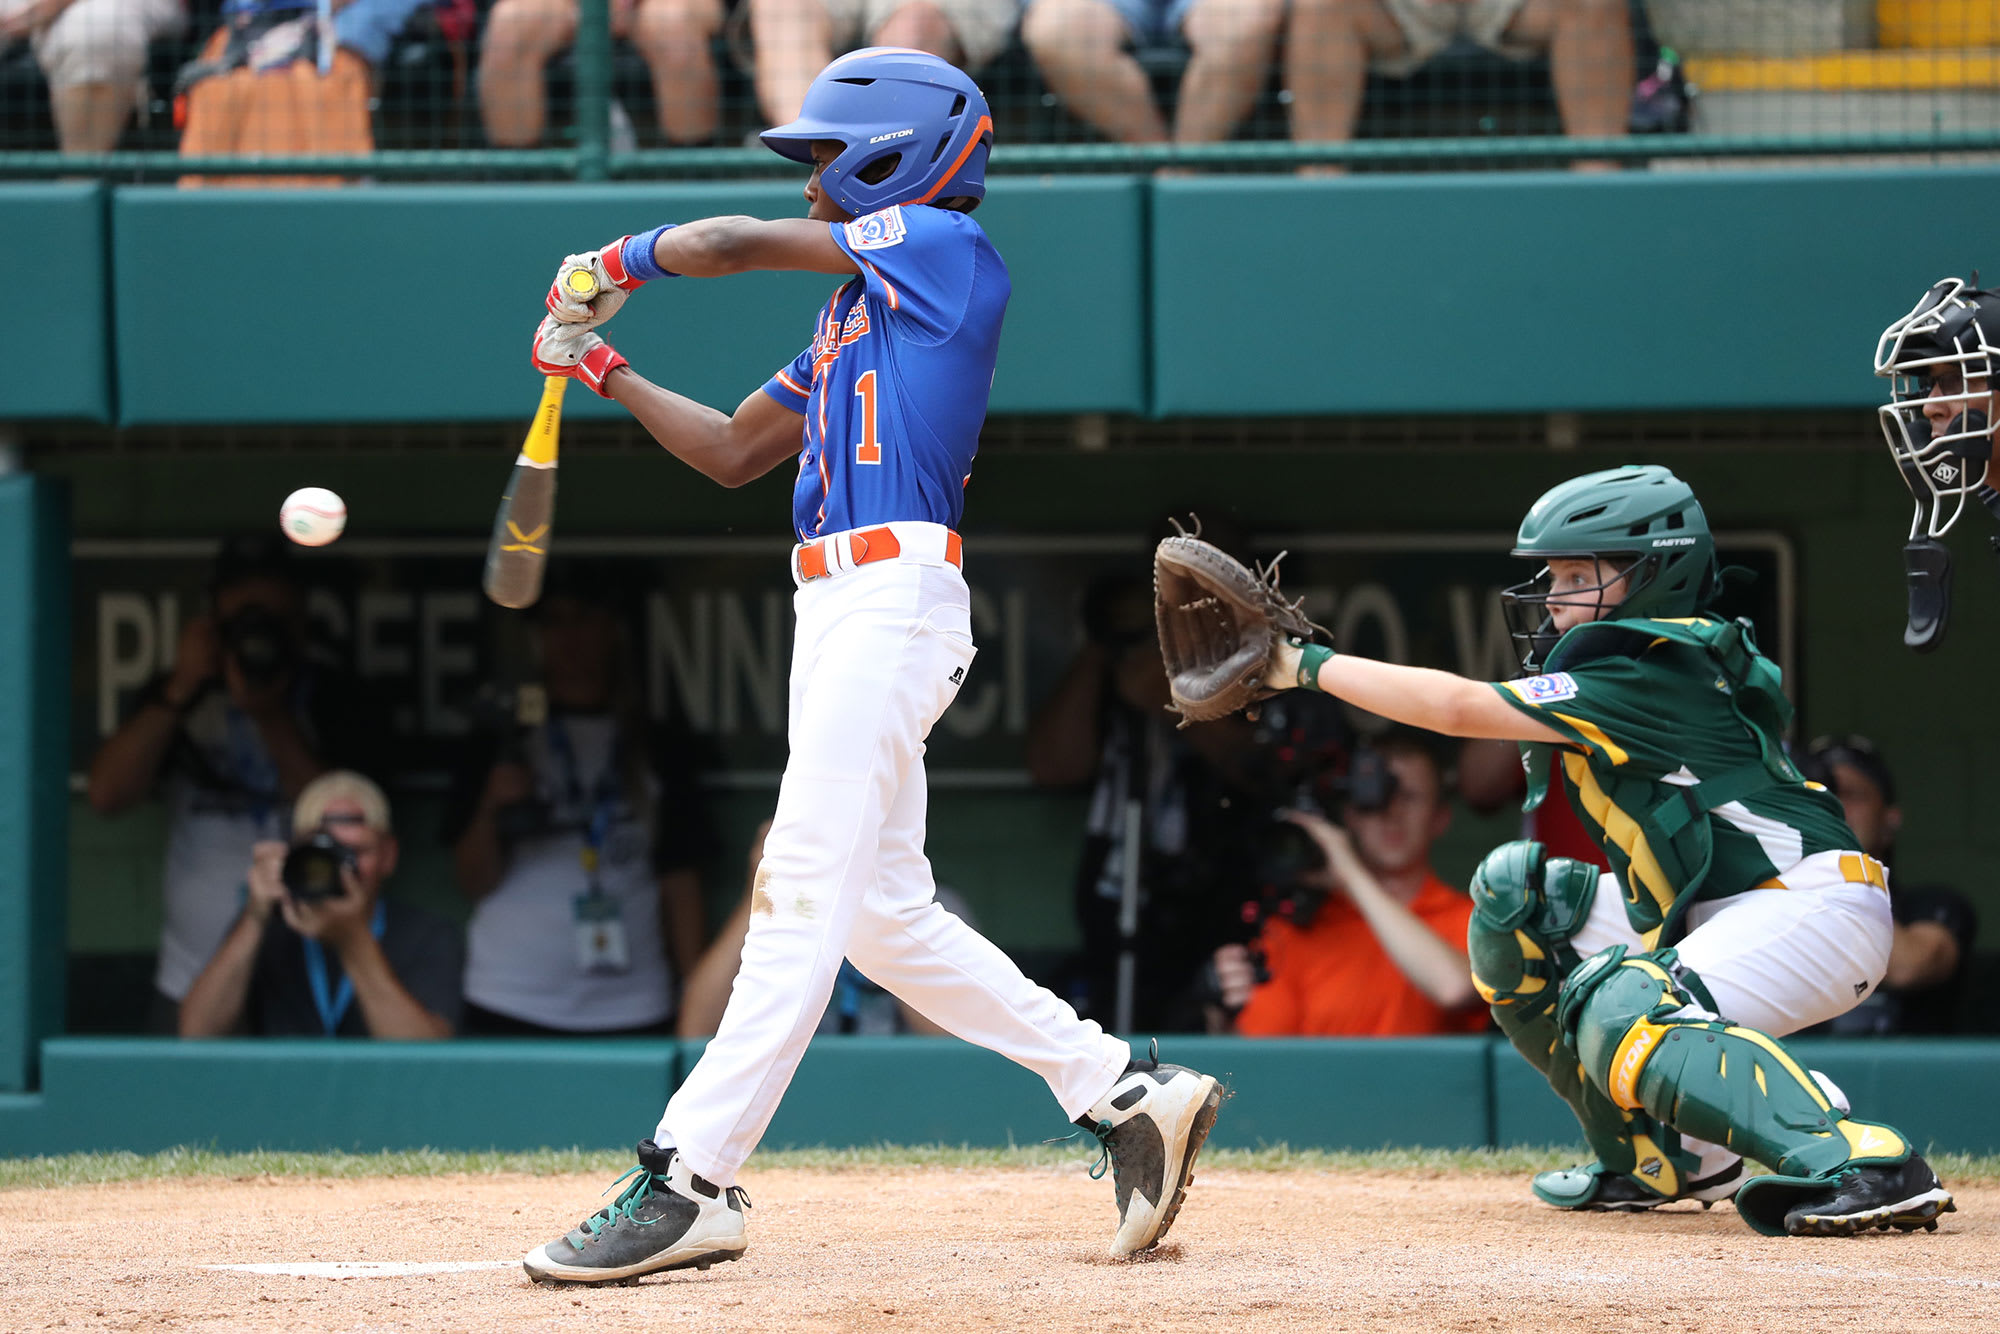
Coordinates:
[148,1094]
[1306,1092]
[1503,291]
[145,1094]
[56,344]
[417,303]
[34,767]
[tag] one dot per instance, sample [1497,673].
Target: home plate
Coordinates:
[368,1268]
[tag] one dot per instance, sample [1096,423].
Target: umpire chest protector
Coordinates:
[1715,714]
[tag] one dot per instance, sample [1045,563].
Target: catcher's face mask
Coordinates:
[1937,423]
[1531,607]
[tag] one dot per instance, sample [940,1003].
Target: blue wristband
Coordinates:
[638,255]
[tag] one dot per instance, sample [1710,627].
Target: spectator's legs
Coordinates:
[1590,62]
[1231,43]
[922,26]
[93,54]
[1080,48]
[676,38]
[90,116]
[521,35]
[794,42]
[1327,50]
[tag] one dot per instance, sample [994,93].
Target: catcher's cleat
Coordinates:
[1152,1124]
[668,1218]
[1904,1196]
[1591,1187]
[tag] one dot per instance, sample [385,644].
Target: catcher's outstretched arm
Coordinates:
[1427,698]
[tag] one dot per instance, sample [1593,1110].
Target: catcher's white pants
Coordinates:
[1776,960]
[880,652]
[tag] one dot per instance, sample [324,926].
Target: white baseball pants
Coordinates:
[879,654]
[1776,960]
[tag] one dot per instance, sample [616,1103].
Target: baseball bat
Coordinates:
[519,547]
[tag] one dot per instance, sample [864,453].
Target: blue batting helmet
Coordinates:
[916,124]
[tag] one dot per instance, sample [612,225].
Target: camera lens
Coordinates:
[261,643]
[312,868]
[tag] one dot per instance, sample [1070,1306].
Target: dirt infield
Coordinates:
[1014,1248]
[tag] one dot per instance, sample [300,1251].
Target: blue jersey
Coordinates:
[894,386]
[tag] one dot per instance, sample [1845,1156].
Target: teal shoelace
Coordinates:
[635,1195]
[1102,1130]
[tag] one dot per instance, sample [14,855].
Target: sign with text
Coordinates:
[710,628]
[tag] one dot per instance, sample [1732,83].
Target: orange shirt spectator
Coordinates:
[1334,979]
[1384,953]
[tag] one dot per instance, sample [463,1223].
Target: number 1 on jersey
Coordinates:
[869,450]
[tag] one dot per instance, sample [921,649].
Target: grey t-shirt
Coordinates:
[425,952]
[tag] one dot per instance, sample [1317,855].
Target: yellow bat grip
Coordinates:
[539,449]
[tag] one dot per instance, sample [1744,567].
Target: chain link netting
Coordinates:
[525,89]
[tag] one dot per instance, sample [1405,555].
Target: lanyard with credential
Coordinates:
[603,797]
[333,1006]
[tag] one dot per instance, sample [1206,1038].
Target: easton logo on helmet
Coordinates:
[1673,541]
[893,134]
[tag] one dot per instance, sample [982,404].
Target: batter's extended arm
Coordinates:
[730,448]
[718,247]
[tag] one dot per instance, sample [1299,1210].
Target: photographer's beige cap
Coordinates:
[340,785]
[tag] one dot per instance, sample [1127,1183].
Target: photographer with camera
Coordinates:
[1180,803]
[316,950]
[230,735]
[1357,935]
[577,833]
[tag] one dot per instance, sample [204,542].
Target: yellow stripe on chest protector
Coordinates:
[1594,734]
[1624,833]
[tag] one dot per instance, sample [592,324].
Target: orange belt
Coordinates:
[1856,868]
[865,546]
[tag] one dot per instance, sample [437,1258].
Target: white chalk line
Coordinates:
[366,1268]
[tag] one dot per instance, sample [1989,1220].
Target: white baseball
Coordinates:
[312,516]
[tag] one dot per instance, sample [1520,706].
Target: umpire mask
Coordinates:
[1939,354]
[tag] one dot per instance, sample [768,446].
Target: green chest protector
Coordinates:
[1670,822]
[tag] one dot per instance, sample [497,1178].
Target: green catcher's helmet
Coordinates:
[1643,521]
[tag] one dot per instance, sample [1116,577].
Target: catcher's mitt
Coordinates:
[1219,622]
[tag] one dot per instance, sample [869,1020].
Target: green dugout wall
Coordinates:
[1217,295]
[145,1095]
[34,768]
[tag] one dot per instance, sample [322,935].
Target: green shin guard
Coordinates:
[1713,1080]
[1626,1144]
[1526,906]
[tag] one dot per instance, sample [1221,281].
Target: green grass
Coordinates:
[195,1163]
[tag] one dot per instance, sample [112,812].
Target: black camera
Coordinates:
[1369,784]
[1286,874]
[511,715]
[312,870]
[261,642]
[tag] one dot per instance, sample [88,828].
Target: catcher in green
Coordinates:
[1738,907]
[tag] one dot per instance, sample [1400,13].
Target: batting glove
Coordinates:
[614,284]
[573,350]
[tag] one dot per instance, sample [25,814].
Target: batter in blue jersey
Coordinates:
[883,412]
[894,383]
